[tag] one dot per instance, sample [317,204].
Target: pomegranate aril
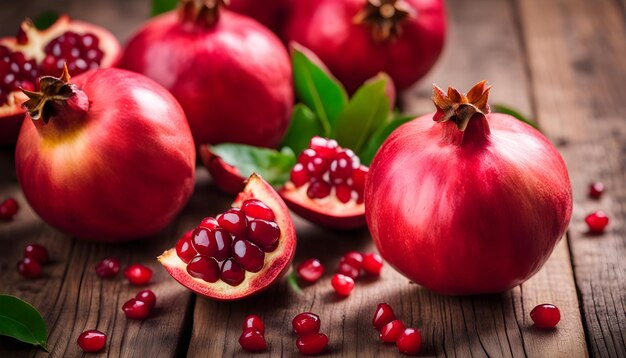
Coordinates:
[37,253]
[248,255]
[257,209]
[204,268]
[136,309]
[254,322]
[298,175]
[148,297]
[92,341]
[310,270]
[596,189]
[232,273]
[201,243]
[372,264]
[354,259]
[306,323]
[138,274]
[184,247]
[597,222]
[358,178]
[306,156]
[383,315]
[316,167]
[340,168]
[318,189]
[348,270]
[208,223]
[252,340]
[409,341]
[78,51]
[545,315]
[8,209]
[233,220]
[263,233]
[342,284]
[391,331]
[29,268]
[312,344]
[220,242]
[324,147]
[343,193]
[108,267]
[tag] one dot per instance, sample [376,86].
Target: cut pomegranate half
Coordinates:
[33,53]
[230,267]
[226,177]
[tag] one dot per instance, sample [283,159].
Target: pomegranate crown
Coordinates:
[460,107]
[385,17]
[40,105]
[202,12]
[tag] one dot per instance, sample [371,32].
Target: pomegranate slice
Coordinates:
[226,177]
[326,186]
[33,53]
[251,263]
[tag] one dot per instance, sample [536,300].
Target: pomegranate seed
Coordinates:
[312,344]
[204,268]
[233,220]
[108,267]
[409,341]
[148,297]
[354,259]
[92,341]
[306,323]
[596,189]
[348,270]
[138,274]
[372,264]
[220,242]
[37,253]
[545,315]
[324,147]
[317,167]
[343,193]
[257,209]
[252,340]
[232,273]
[383,315]
[341,168]
[597,222]
[200,241]
[8,209]
[298,175]
[184,247]
[248,255]
[310,270]
[136,309]
[318,189]
[208,223]
[358,179]
[263,233]
[342,284]
[391,331]
[306,156]
[29,268]
[254,322]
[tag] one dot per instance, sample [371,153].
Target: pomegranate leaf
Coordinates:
[161,6]
[292,280]
[272,165]
[317,88]
[500,108]
[304,125]
[376,140]
[22,321]
[45,19]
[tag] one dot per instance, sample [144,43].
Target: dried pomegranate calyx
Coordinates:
[205,13]
[385,17]
[459,107]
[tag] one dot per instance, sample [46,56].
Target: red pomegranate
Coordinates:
[33,53]
[470,203]
[231,75]
[357,39]
[271,13]
[108,156]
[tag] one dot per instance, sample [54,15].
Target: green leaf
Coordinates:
[304,125]
[22,321]
[46,19]
[272,165]
[317,88]
[161,6]
[292,280]
[377,139]
[367,111]
[500,108]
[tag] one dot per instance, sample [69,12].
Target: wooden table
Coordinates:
[560,61]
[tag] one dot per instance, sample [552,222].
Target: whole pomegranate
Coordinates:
[231,75]
[33,53]
[357,39]
[108,156]
[471,203]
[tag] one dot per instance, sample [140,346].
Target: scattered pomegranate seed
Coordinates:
[148,297]
[372,264]
[252,340]
[29,268]
[409,341]
[354,259]
[597,222]
[545,315]
[391,331]
[108,268]
[312,344]
[310,270]
[257,209]
[383,315]
[254,322]
[596,189]
[306,323]
[138,274]
[348,270]
[342,284]
[136,309]
[92,341]
[8,209]
[37,253]
[184,248]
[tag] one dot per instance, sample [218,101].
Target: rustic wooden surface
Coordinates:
[560,61]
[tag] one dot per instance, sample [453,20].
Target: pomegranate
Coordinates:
[107,156]
[545,315]
[326,185]
[270,13]
[8,209]
[92,341]
[357,39]
[33,53]
[231,266]
[227,71]
[470,203]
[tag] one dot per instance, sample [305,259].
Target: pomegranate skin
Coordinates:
[270,13]
[472,218]
[327,27]
[121,173]
[233,75]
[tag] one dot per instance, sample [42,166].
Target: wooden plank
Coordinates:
[581,102]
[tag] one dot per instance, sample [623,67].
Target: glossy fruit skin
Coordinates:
[8,209]
[254,322]
[342,284]
[597,222]
[92,198]
[136,309]
[29,268]
[108,267]
[232,75]
[138,274]
[37,253]
[92,341]
[409,341]
[545,316]
[252,340]
[383,315]
[437,234]
[349,49]
[312,344]
[306,323]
